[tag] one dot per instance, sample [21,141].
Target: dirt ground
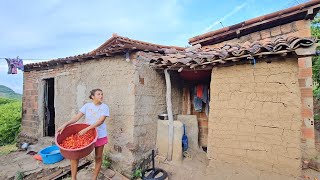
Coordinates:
[195,168]
[86,174]
[20,161]
[317,139]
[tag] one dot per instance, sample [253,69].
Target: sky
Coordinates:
[44,30]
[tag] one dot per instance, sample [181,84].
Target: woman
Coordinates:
[95,113]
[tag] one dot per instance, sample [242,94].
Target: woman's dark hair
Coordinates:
[93,91]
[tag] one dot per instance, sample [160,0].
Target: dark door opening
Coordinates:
[196,92]
[49,113]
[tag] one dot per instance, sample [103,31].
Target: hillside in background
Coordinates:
[13,81]
[9,93]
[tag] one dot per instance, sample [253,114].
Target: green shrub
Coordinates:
[10,121]
[315,31]
[106,162]
[5,101]
[137,174]
[316,92]
[19,175]
[316,117]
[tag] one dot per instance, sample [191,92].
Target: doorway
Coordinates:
[196,96]
[49,112]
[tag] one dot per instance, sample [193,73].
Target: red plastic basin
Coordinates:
[79,152]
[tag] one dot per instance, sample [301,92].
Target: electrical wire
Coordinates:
[33,59]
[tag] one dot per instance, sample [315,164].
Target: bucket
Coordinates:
[51,155]
[163,116]
[79,152]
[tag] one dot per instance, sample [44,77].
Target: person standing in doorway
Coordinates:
[95,114]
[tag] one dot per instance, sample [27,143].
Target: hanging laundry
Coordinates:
[9,65]
[12,69]
[14,64]
[19,63]
[204,96]
[200,94]
[199,90]
[207,109]
[197,103]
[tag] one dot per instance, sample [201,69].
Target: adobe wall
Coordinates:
[72,86]
[255,116]
[134,92]
[261,115]
[150,101]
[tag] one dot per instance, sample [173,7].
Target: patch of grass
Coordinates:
[137,174]
[106,162]
[19,175]
[316,92]
[6,149]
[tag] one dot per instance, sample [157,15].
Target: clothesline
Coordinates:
[30,59]
[17,63]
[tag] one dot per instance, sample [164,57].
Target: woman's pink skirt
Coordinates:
[101,141]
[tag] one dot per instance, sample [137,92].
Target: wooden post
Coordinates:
[186,102]
[170,115]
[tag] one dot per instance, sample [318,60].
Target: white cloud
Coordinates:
[56,28]
[225,17]
[46,23]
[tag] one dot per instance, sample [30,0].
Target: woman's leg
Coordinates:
[98,161]
[74,168]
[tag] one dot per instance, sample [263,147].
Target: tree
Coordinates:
[10,120]
[315,30]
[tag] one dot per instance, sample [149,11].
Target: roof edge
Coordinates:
[231,54]
[116,38]
[303,11]
[113,46]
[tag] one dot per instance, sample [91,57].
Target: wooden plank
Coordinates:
[53,175]
[188,102]
[67,169]
[170,115]
[184,101]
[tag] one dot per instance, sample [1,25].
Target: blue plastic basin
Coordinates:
[51,155]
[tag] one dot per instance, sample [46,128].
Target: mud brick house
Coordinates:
[55,90]
[260,91]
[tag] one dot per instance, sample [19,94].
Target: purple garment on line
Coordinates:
[14,70]
[14,64]
[11,67]
[19,63]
